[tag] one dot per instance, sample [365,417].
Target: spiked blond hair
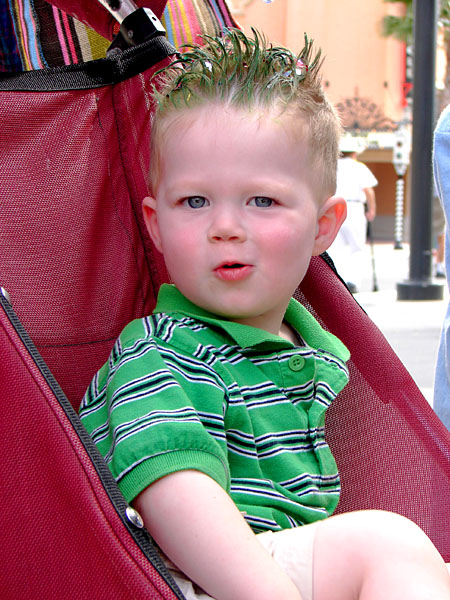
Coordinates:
[245,73]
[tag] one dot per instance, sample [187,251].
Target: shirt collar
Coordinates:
[171,300]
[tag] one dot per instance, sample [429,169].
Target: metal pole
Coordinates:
[399,196]
[419,286]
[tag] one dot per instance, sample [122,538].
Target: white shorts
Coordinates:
[292,549]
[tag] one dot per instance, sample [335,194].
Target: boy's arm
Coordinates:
[198,526]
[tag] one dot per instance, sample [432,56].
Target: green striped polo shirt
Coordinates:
[185,389]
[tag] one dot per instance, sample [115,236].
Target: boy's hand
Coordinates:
[200,529]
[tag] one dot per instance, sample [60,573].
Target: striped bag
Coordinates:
[35,35]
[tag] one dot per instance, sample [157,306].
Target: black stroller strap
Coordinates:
[92,74]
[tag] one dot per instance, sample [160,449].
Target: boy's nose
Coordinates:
[226,226]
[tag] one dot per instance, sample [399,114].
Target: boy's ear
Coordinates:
[331,216]
[151,220]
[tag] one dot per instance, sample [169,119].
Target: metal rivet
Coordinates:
[134,517]
[5,294]
[113,52]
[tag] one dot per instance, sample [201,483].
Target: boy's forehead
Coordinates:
[221,134]
[206,116]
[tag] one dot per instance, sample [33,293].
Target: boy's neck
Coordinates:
[288,333]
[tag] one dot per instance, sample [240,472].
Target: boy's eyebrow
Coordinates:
[187,188]
[255,187]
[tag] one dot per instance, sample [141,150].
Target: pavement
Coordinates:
[412,327]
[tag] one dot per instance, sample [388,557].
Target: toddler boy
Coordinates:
[210,412]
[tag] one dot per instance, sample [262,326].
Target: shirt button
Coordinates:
[296,363]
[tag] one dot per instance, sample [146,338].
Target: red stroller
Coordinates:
[78,265]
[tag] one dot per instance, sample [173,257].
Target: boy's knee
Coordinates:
[380,523]
[393,527]
[377,548]
[376,531]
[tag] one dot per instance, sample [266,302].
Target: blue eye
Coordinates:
[261,201]
[196,201]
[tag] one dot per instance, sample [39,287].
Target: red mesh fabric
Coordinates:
[61,536]
[72,173]
[392,451]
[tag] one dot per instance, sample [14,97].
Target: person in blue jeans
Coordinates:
[441,163]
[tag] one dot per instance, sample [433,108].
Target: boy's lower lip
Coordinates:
[233,273]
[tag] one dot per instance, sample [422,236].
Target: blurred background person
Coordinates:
[441,163]
[438,221]
[355,183]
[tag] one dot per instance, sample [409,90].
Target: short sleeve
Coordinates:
[367,178]
[154,410]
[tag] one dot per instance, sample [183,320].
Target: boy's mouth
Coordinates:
[232,271]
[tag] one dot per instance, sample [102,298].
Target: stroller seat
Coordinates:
[78,266]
